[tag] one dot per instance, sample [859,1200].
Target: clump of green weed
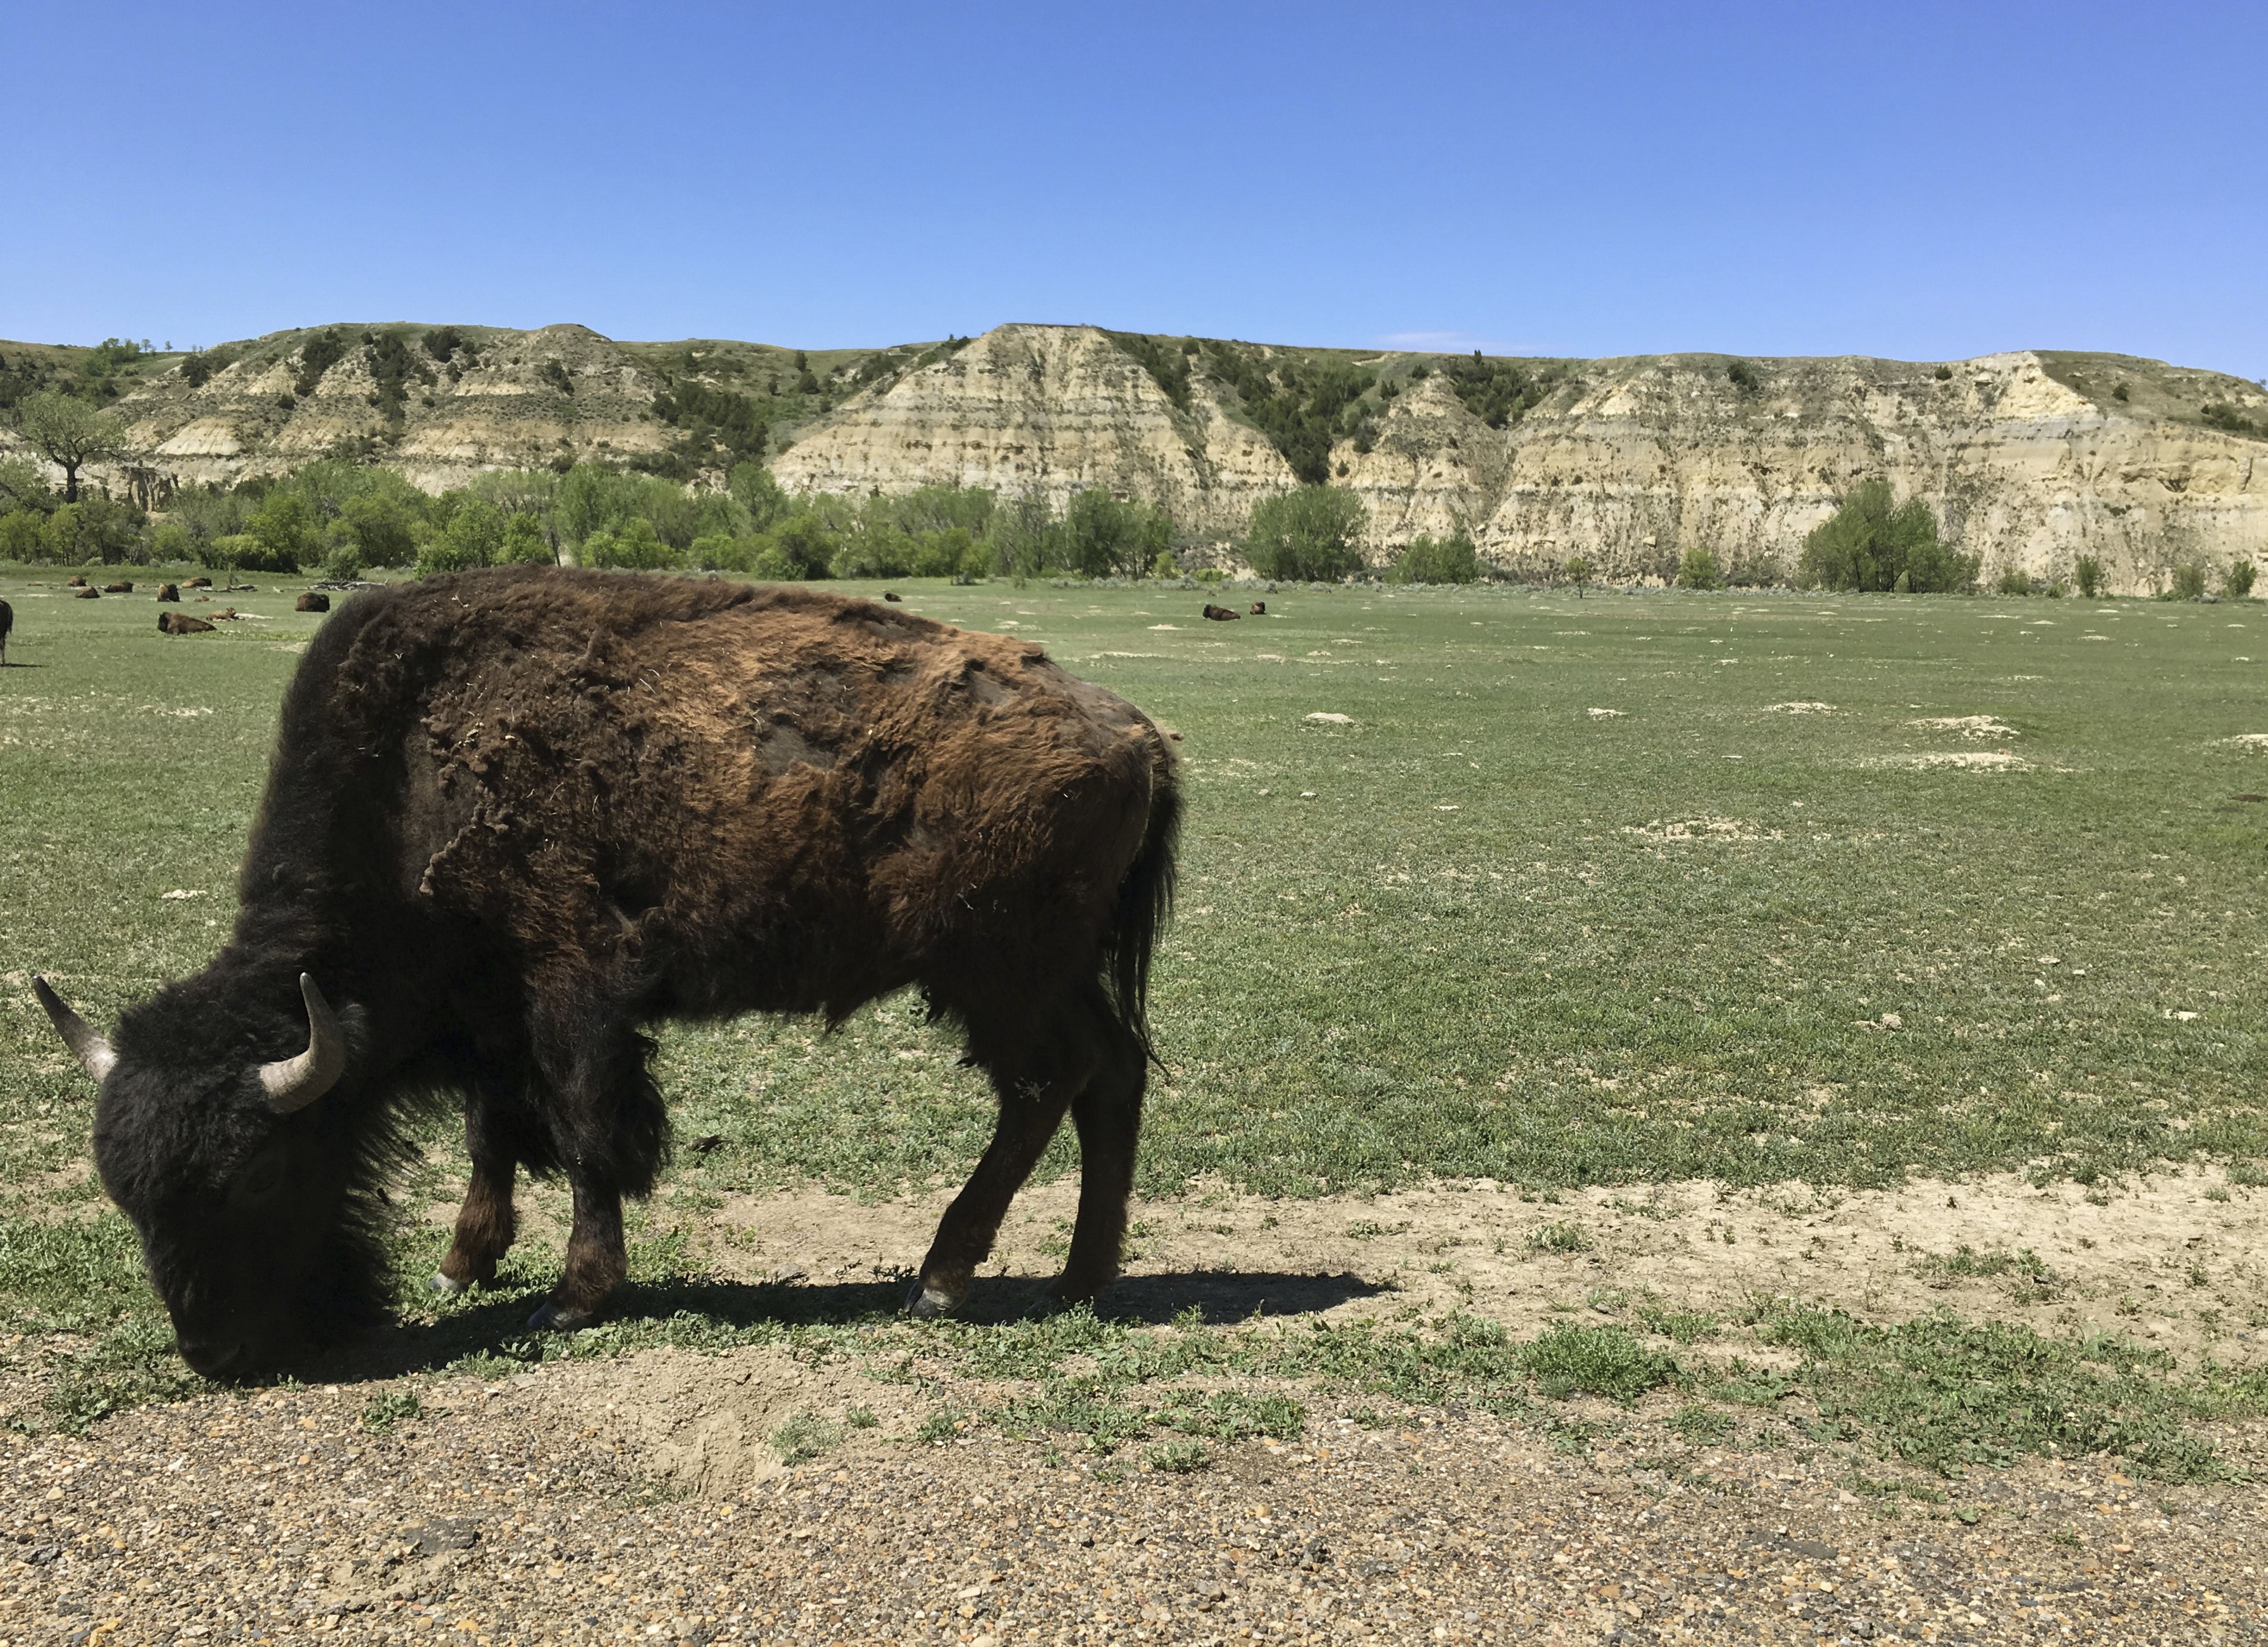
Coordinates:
[388,1407]
[940,1427]
[1558,1237]
[1179,1458]
[1230,1415]
[861,1418]
[1596,1361]
[802,1436]
[1700,1425]
[1682,1326]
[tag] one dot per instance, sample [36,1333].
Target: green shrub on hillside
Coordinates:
[322,351]
[2188,582]
[2239,581]
[1429,559]
[1868,544]
[1698,571]
[2088,573]
[1302,408]
[2015,580]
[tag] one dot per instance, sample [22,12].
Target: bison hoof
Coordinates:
[927,1299]
[443,1285]
[555,1317]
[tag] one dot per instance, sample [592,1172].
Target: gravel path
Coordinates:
[514,1512]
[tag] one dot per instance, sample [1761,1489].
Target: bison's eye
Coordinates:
[262,1178]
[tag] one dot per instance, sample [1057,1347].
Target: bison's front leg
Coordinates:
[485,1223]
[596,1258]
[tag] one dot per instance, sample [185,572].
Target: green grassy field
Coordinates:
[1571,895]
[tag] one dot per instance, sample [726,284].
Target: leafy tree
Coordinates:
[381,529]
[1026,539]
[1429,559]
[1868,544]
[1165,566]
[471,535]
[1309,533]
[22,486]
[806,545]
[283,527]
[523,543]
[1103,537]
[70,433]
[1697,570]
[93,530]
[2090,574]
[23,536]
[1578,572]
[2015,580]
[638,547]
[754,490]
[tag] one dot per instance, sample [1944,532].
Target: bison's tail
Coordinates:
[1145,900]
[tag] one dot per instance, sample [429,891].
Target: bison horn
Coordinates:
[86,1042]
[293,1084]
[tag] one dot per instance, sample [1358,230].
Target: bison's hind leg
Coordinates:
[1108,1113]
[1038,1069]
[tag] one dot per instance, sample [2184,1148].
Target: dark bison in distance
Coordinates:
[7,623]
[514,816]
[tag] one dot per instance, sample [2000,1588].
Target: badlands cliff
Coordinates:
[2031,459]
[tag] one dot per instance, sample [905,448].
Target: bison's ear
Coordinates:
[86,1045]
[293,1084]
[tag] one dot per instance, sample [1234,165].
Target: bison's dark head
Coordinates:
[239,1180]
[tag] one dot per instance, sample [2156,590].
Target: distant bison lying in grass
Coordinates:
[514,817]
[121,587]
[182,623]
[1222,614]
[86,592]
[169,592]
[312,601]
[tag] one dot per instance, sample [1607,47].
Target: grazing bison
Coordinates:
[516,816]
[311,601]
[181,623]
[170,592]
[7,623]
[1222,614]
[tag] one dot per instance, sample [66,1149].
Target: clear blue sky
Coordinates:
[1921,181]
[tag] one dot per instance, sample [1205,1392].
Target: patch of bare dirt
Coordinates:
[2156,1257]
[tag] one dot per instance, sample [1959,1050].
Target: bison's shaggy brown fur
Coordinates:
[179,624]
[517,815]
[312,601]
